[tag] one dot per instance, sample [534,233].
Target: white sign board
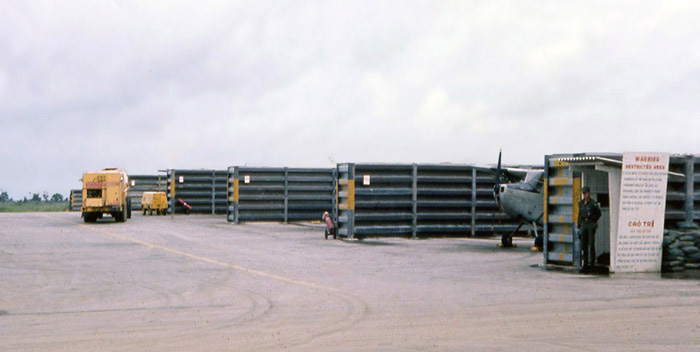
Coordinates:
[133,183]
[246,179]
[182,179]
[642,209]
[365,180]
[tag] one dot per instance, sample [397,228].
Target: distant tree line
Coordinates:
[36,197]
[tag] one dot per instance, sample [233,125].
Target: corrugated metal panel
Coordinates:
[345,213]
[76,199]
[203,190]
[310,192]
[676,192]
[279,194]
[415,200]
[384,200]
[682,196]
[144,183]
[562,189]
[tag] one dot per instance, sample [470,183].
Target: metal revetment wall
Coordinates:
[416,200]
[76,199]
[279,194]
[457,200]
[310,192]
[682,194]
[381,206]
[144,183]
[204,190]
[345,213]
[562,190]
[259,194]
[675,191]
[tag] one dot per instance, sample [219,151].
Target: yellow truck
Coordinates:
[154,201]
[106,192]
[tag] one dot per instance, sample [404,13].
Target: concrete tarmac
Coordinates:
[197,283]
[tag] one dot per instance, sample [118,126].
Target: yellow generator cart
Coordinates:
[154,201]
[106,192]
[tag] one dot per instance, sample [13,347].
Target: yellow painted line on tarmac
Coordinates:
[197,257]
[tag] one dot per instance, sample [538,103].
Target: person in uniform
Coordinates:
[588,215]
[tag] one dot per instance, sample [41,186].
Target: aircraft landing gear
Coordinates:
[507,239]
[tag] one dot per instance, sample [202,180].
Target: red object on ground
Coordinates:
[329,223]
[330,226]
[184,204]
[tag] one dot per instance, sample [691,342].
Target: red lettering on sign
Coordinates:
[101,184]
[647,159]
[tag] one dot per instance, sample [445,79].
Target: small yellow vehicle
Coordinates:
[154,201]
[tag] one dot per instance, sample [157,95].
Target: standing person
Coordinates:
[588,215]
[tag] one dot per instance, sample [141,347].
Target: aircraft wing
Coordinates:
[512,173]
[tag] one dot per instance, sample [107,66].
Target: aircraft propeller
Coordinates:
[496,194]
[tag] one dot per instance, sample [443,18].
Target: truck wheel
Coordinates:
[144,211]
[120,216]
[151,212]
[128,208]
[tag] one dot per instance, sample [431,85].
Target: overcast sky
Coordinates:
[146,85]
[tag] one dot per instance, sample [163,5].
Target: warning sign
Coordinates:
[642,210]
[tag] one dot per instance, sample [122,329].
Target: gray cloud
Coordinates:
[147,86]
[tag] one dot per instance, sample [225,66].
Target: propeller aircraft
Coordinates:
[518,193]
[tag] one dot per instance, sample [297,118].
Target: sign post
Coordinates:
[638,245]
